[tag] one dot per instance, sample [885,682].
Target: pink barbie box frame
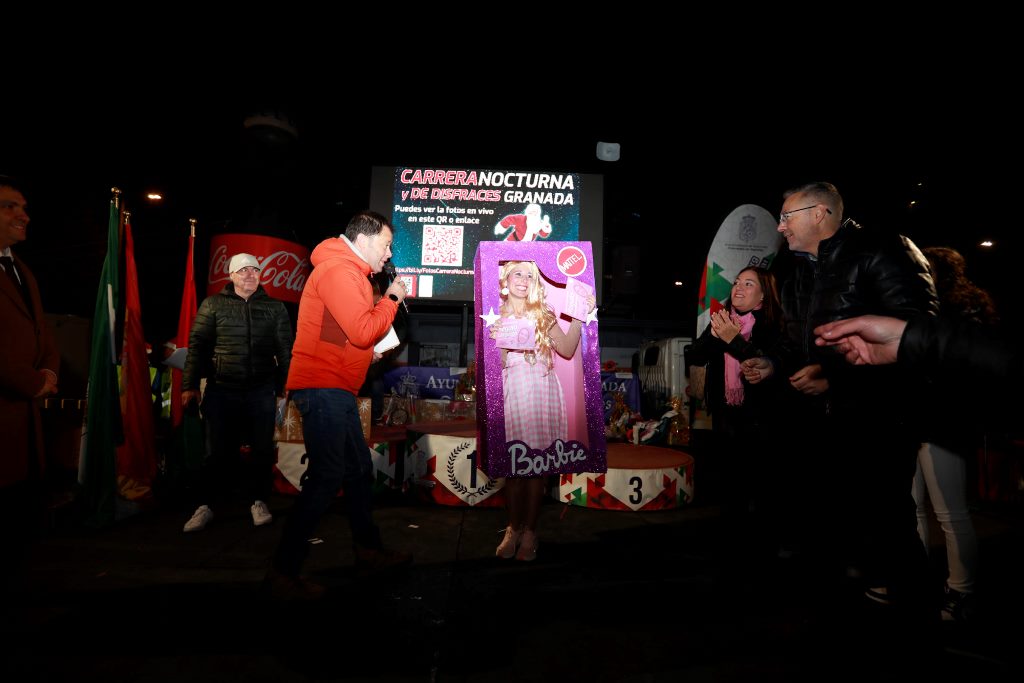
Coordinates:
[584,448]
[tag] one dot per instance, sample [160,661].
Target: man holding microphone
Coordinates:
[338,325]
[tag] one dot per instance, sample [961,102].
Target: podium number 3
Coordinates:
[637,495]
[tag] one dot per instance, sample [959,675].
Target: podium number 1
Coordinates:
[472,477]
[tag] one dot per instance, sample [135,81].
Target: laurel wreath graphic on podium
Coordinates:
[457,485]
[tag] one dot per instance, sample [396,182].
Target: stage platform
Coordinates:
[438,460]
[638,478]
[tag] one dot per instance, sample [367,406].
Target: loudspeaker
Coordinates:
[608,151]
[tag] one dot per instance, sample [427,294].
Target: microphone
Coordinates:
[389,268]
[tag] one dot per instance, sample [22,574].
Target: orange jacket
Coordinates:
[338,322]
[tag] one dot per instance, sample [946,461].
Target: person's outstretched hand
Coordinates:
[864,340]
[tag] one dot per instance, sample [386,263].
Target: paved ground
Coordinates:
[614,596]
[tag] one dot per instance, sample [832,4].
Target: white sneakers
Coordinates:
[203,514]
[200,518]
[260,513]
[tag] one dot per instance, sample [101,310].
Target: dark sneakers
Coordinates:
[370,562]
[281,587]
[957,606]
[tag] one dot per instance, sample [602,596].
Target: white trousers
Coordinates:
[942,478]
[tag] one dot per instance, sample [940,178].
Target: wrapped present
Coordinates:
[465,390]
[289,426]
[431,409]
[679,425]
[398,410]
[365,409]
[460,410]
[442,410]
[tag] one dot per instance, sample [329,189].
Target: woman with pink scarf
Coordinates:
[738,462]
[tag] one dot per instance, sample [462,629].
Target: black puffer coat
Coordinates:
[962,351]
[239,344]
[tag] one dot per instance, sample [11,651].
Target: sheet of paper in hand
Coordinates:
[576,294]
[387,342]
[516,333]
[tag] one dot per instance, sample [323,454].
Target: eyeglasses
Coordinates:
[248,270]
[784,216]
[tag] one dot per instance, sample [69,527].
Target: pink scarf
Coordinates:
[733,372]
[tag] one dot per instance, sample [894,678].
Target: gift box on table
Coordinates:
[398,410]
[431,409]
[290,427]
[460,410]
[365,409]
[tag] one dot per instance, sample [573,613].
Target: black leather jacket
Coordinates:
[239,344]
[971,367]
[857,272]
[962,352]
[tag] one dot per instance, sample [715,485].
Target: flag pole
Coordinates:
[185,318]
[136,453]
[97,464]
[187,428]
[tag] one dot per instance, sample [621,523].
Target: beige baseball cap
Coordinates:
[239,261]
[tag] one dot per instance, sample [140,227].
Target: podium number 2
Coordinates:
[636,483]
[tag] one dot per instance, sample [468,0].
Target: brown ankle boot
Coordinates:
[507,547]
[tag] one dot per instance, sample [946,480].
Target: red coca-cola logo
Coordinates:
[571,261]
[284,265]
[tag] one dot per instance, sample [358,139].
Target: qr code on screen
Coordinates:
[442,245]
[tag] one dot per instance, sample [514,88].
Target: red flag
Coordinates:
[185,318]
[136,457]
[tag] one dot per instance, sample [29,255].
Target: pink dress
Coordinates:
[534,405]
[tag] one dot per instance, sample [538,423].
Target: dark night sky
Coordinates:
[685,165]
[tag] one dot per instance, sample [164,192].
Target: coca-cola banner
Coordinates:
[284,265]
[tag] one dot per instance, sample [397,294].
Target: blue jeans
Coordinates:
[338,458]
[236,418]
